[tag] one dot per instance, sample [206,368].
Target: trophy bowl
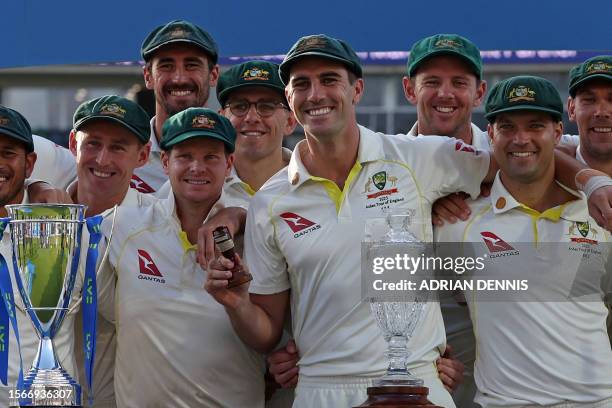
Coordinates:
[46,244]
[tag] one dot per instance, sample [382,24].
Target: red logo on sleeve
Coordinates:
[138,184]
[462,147]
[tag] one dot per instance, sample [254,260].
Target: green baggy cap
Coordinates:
[116,109]
[445,44]
[321,45]
[593,68]
[197,122]
[179,31]
[15,125]
[250,73]
[523,93]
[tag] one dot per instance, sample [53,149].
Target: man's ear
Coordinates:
[165,160]
[481,91]
[230,163]
[290,124]
[571,109]
[409,90]
[148,75]
[213,76]
[30,161]
[143,154]
[72,142]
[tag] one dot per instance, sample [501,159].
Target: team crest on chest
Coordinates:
[583,232]
[379,189]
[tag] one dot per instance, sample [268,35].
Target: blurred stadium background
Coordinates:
[38,76]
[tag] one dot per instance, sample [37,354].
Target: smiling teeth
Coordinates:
[603,129]
[445,109]
[198,182]
[252,133]
[318,112]
[180,93]
[101,174]
[522,154]
[3,179]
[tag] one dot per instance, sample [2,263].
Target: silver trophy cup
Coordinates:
[398,318]
[46,243]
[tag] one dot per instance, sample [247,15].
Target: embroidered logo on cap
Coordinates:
[447,43]
[202,121]
[113,109]
[598,66]
[178,32]
[4,121]
[521,93]
[310,43]
[256,73]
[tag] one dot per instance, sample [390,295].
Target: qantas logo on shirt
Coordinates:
[138,184]
[462,147]
[148,269]
[497,246]
[298,224]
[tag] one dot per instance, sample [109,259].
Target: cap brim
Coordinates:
[18,137]
[197,133]
[223,95]
[285,65]
[491,115]
[415,64]
[147,55]
[574,87]
[126,125]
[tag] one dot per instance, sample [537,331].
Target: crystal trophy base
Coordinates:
[403,396]
[399,380]
[47,388]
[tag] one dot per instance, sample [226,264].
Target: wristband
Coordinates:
[596,182]
[583,176]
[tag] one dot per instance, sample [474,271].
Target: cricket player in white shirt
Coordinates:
[175,344]
[180,67]
[109,140]
[538,352]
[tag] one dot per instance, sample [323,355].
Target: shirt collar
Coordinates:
[169,204]
[153,139]
[131,196]
[370,149]
[502,201]
[579,155]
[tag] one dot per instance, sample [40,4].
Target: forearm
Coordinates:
[254,326]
